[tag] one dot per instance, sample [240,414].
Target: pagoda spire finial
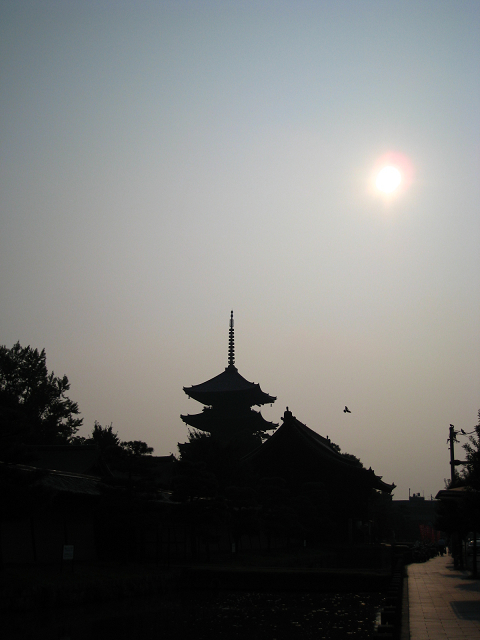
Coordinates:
[231,343]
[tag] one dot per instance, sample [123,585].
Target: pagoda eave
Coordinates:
[229,387]
[245,397]
[210,420]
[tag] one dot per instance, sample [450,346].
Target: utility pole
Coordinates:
[458,557]
[453,438]
[457,543]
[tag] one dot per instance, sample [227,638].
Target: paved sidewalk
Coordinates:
[444,603]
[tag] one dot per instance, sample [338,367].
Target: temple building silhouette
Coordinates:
[230,438]
[228,415]
[302,458]
[299,454]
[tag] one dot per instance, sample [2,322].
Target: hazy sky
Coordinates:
[165,162]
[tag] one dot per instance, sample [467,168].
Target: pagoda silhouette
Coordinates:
[228,415]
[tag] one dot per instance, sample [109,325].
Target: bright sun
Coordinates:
[388,179]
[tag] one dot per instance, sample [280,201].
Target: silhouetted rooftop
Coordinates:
[80,459]
[229,387]
[54,481]
[209,419]
[293,443]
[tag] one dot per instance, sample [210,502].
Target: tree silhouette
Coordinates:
[34,407]
[136,448]
[104,437]
[471,473]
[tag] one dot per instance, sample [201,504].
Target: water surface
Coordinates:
[207,615]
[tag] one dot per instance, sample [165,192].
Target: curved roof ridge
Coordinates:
[228,383]
[229,378]
[315,442]
[312,437]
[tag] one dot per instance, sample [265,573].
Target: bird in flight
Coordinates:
[346,410]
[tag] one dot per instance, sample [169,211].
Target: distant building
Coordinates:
[414,519]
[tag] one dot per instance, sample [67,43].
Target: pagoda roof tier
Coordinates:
[295,446]
[229,388]
[211,420]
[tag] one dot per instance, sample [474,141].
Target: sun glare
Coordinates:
[388,179]
[391,176]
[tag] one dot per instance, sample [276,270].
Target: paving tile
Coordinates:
[444,603]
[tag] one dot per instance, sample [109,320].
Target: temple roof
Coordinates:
[229,387]
[209,419]
[80,459]
[295,441]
